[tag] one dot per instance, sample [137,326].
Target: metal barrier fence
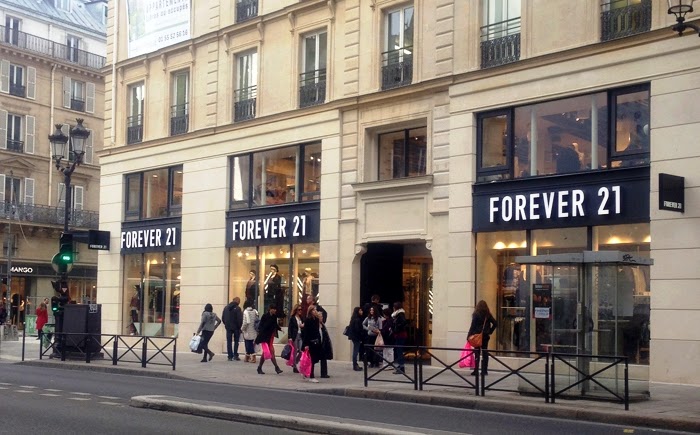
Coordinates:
[535,370]
[119,348]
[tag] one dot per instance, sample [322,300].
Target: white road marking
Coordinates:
[4,383]
[4,388]
[24,391]
[78,398]
[51,389]
[50,395]
[79,394]
[27,386]
[109,403]
[109,397]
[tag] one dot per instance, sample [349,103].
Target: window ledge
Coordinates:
[397,183]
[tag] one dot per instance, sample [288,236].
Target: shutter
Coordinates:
[29,191]
[77,197]
[5,76]
[29,136]
[90,98]
[66,91]
[31,83]
[2,191]
[87,158]
[3,133]
[61,195]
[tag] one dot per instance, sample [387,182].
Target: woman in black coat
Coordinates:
[312,341]
[267,329]
[357,333]
[482,322]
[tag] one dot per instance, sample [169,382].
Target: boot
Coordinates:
[247,358]
[252,358]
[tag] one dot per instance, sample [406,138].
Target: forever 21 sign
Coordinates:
[273,227]
[150,237]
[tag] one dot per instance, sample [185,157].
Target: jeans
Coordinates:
[236,339]
[355,351]
[477,355]
[229,339]
[204,344]
[398,352]
[250,347]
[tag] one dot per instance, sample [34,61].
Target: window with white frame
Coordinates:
[312,87]
[397,58]
[246,92]
[78,95]
[17,80]
[134,122]
[63,5]
[73,44]
[17,132]
[500,32]
[12,30]
[179,109]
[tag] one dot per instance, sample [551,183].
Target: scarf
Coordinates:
[397,312]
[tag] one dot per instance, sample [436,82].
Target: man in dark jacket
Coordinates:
[232,317]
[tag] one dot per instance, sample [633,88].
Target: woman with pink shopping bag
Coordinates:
[466,359]
[266,335]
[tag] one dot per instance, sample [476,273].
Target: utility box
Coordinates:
[83,319]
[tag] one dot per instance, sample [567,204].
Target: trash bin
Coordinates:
[30,324]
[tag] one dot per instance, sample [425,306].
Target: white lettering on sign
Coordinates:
[268,228]
[150,238]
[21,269]
[553,205]
[673,204]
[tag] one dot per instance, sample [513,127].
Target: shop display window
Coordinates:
[402,153]
[153,194]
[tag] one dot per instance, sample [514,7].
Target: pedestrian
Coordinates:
[232,317]
[387,332]
[356,333]
[250,316]
[374,302]
[312,341]
[296,325]
[210,321]
[266,335]
[484,323]
[400,335]
[372,326]
[42,317]
[310,300]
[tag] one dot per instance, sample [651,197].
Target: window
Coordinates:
[17,132]
[73,51]
[153,194]
[312,88]
[17,80]
[12,30]
[565,136]
[500,33]
[245,95]
[621,18]
[78,95]
[63,5]
[246,9]
[76,196]
[402,153]
[134,121]
[17,87]
[279,176]
[11,193]
[14,133]
[179,115]
[105,14]
[397,59]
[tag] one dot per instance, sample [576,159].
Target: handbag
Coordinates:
[476,340]
[194,342]
[466,359]
[287,351]
[346,332]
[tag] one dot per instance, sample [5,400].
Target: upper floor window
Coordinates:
[500,32]
[134,121]
[11,189]
[246,92]
[78,95]
[153,194]
[397,58]
[73,51]
[312,87]
[63,5]
[402,153]
[246,9]
[17,132]
[585,133]
[620,18]
[179,110]
[279,176]
[12,30]
[17,80]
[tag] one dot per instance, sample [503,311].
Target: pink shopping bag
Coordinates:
[305,364]
[266,351]
[467,357]
[290,361]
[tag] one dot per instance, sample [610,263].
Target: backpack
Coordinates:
[256,323]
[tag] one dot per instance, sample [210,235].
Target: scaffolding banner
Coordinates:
[154,24]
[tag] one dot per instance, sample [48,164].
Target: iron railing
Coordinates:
[16,146]
[246,9]
[630,19]
[179,119]
[312,88]
[134,129]
[77,104]
[244,103]
[18,90]
[397,67]
[46,47]
[500,43]
[44,214]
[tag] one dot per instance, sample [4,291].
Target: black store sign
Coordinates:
[156,236]
[284,225]
[601,198]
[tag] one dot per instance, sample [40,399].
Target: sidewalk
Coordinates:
[671,407]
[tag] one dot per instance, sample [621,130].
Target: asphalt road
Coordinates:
[94,402]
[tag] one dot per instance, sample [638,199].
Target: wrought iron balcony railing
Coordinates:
[44,214]
[621,18]
[16,146]
[244,103]
[179,119]
[397,67]
[500,43]
[246,9]
[134,129]
[46,47]
[312,88]
[18,90]
[77,104]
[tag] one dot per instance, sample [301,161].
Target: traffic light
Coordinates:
[57,302]
[63,261]
[55,305]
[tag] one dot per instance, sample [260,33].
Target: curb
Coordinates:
[312,424]
[65,365]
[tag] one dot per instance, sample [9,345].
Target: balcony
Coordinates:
[397,68]
[627,20]
[312,88]
[16,146]
[77,104]
[500,43]
[134,129]
[44,214]
[244,103]
[45,47]
[246,9]
[18,90]
[179,119]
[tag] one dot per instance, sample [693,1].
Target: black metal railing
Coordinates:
[139,349]
[397,67]
[77,104]
[627,20]
[537,371]
[51,49]
[500,43]
[16,146]
[134,129]
[44,214]
[246,9]
[244,103]
[18,90]
[312,88]
[179,119]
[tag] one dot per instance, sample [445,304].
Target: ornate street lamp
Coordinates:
[681,8]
